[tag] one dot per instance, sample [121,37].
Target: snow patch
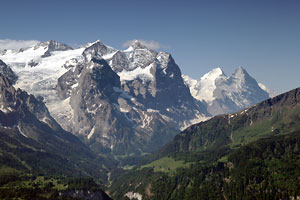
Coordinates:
[133,195]
[91,133]
[147,118]
[143,73]
[22,133]
[45,120]
[108,56]
[152,110]
[75,85]
[5,109]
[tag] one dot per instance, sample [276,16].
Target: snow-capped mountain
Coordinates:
[225,94]
[124,101]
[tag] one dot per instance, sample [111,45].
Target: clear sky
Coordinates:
[263,36]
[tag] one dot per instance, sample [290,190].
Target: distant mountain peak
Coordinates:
[240,72]
[213,74]
[226,94]
[51,46]
[138,45]
[96,43]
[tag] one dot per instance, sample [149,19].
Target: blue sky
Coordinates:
[263,36]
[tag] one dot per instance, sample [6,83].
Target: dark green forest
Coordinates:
[266,169]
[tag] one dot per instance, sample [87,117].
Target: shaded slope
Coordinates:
[274,116]
[32,140]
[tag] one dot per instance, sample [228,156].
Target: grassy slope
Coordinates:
[166,164]
[16,184]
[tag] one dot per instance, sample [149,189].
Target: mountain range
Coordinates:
[125,101]
[224,94]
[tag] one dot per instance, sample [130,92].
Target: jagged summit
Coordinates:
[241,80]
[137,45]
[240,73]
[54,45]
[97,49]
[51,46]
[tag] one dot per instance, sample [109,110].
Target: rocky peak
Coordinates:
[119,62]
[241,79]
[103,75]
[137,45]
[56,46]
[51,46]
[97,49]
[240,73]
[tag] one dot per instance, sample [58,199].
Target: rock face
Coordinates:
[133,107]
[226,94]
[85,194]
[8,73]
